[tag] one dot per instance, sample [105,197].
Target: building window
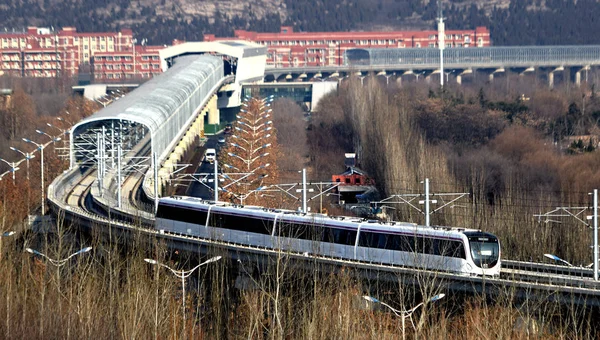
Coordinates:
[145,57]
[128,67]
[98,59]
[109,58]
[155,57]
[117,58]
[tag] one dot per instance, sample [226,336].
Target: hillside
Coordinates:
[511,22]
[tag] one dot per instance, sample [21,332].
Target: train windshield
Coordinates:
[485,250]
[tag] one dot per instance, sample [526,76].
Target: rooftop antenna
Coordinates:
[441,40]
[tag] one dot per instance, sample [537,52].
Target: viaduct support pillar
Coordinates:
[551,76]
[213,111]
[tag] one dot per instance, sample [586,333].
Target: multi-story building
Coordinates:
[288,48]
[44,52]
[141,62]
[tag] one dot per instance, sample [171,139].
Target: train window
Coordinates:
[181,214]
[241,223]
[342,236]
[449,248]
[412,243]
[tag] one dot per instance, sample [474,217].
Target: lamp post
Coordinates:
[248,161]
[556,258]
[183,274]
[62,131]
[58,263]
[252,151]
[13,167]
[64,120]
[27,155]
[40,147]
[419,74]
[448,75]
[404,314]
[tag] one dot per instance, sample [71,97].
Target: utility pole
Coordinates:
[216,181]
[155,167]
[427,202]
[441,41]
[119,155]
[578,214]
[596,234]
[410,199]
[304,209]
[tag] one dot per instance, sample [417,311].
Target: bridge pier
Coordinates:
[491,76]
[551,76]
[460,75]
[213,111]
[586,68]
[529,69]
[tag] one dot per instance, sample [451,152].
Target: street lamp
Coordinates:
[64,120]
[404,314]
[248,162]
[13,167]
[448,75]
[62,131]
[183,274]
[27,155]
[556,258]
[252,151]
[58,263]
[53,138]
[231,167]
[40,147]
[419,74]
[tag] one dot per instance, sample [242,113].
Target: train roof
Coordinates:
[293,215]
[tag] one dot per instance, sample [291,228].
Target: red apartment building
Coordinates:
[44,52]
[288,48]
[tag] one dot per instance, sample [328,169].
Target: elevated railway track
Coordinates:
[569,285]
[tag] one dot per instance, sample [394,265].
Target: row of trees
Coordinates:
[249,158]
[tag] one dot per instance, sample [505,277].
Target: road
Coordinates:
[200,190]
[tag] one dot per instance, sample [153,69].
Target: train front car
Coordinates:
[483,253]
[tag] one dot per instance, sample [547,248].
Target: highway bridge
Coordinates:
[122,156]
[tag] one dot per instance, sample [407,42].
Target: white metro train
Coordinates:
[462,251]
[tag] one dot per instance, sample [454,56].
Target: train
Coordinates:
[455,250]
